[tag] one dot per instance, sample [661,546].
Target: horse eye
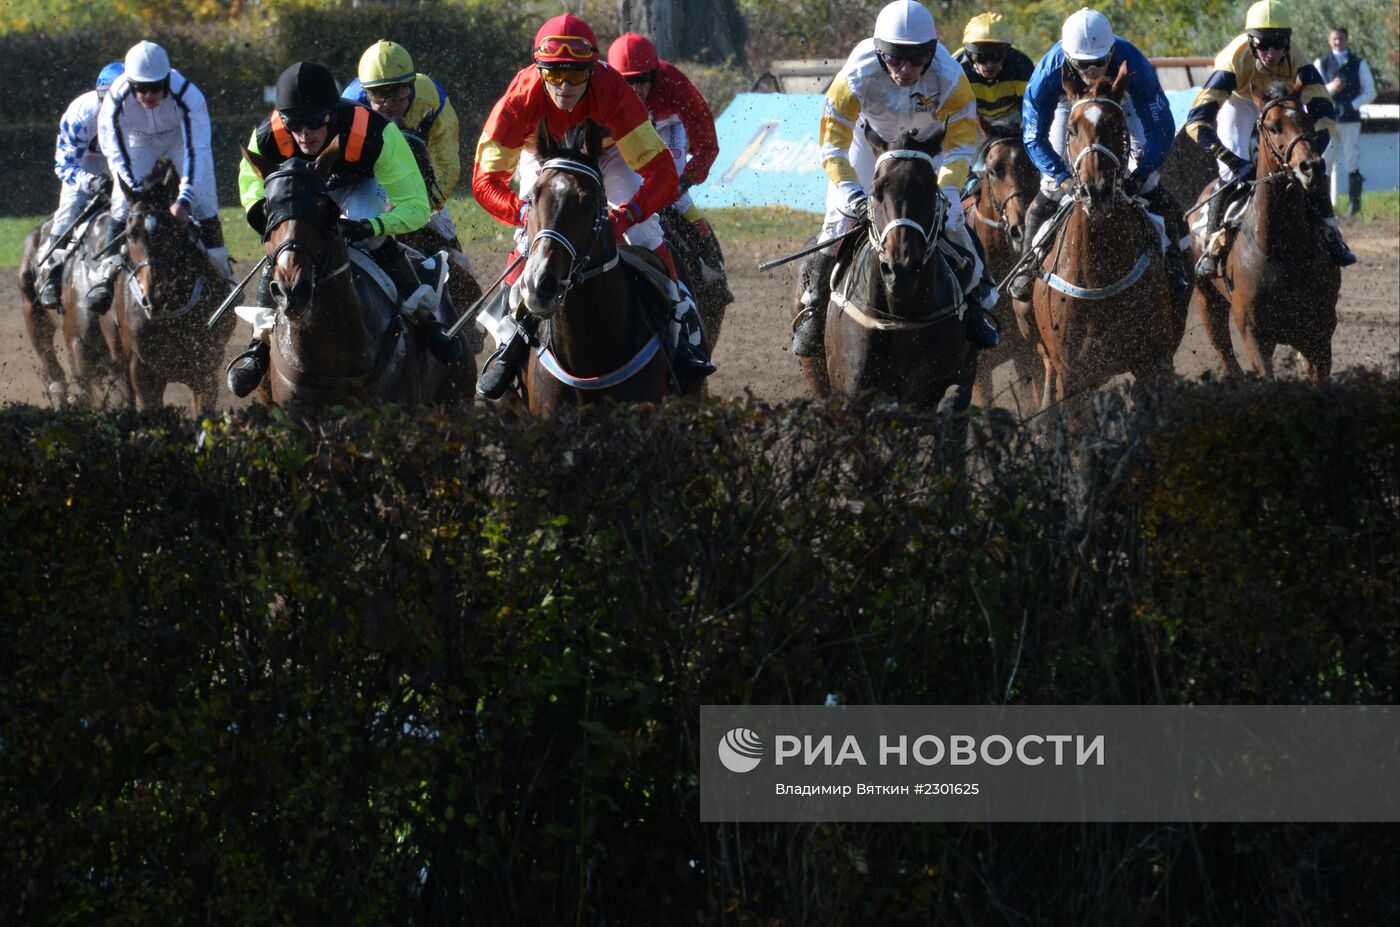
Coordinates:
[1073,129]
[1273,127]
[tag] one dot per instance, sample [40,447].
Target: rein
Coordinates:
[133,285]
[578,269]
[1104,150]
[1280,155]
[999,222]
[878,240]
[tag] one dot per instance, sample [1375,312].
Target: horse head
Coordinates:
[156,240]
[906,208]
[568,209]
[1009,178]
[1287,143]
[1097,141]
[300,230]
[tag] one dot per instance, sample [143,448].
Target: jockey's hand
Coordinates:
[857,206]
[1133,182]
[1323,139]
[1240,169]
[956,218]
[684,185]
[522,218]
[622,218]
[181,211]
[356,229]
[95,184]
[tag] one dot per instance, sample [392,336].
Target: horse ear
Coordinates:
[1070,80]
[171,180]
[544,142]
[593,140]
[934,143]
[1120,83]
[877,144]
[128,193]
[327,159]
[261,166]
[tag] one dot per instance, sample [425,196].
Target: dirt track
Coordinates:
[753,356]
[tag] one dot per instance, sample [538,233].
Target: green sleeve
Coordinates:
[250,185]
[397,172]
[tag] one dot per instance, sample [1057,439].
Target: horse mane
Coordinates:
[1277,90]
[575,143]
[160,187]
[998,129]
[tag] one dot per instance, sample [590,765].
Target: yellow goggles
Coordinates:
[571,76]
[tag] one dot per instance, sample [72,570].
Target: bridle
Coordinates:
[877,241]
[277,217]
[318,263]
[133,279]
[579,270]
[1080,192]
[1281,156]
[999,221]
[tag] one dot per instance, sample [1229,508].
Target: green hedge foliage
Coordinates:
[447,671]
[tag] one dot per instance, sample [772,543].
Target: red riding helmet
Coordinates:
[566,40]
[632,54]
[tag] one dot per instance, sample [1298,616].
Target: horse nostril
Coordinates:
[546,288]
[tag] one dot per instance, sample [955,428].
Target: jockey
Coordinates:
[684,122]
[1087,44]
[82,168]
[375,169]
[1260,56]
[418,105]
[996,69]
[565,85]
[900,80]
[153,111]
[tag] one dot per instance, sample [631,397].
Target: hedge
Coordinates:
[447,670]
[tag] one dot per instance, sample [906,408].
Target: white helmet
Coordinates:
[146,63]
[905,28]
[1087,35]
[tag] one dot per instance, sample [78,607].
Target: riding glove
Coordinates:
[1133,183]
[96,184]
[522,218]
[356,229]
[622,218]
[1240,169]
[1324,138]
[955,218]
[857,206]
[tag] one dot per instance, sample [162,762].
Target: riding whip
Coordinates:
[481,303]
[237,291]
[92,208]
[765,265]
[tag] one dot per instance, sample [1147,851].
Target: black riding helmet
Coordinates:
[306,89]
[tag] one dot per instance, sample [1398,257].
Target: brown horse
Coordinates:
[91,339]
[997,216]
[1278,281]
[598,340]
[1102,304]
[338,336]
[163,296]
[893,326]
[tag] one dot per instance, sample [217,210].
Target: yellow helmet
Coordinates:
[385,63]
[986,29]
[1267,14]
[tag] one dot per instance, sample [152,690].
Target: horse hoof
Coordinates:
[57,392]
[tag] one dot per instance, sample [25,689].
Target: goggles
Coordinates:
[1271,43]
[646,78]
[898,61]
[987,56]
[306,123]
[571,76]
[151,86]
[565,48]
[1091,64]
[382,96]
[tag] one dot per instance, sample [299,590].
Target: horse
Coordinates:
[1101,300]
[338,338]
[1277,281]
[894,326]
[997,217]
[91,339]
[163,294]
[711,297]
[598,339]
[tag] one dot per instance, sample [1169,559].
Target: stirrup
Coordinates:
[1020,287]
[809,333]
[689,364]
[503,365]
[1207,267]
[247,370]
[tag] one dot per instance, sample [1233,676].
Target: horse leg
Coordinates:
[1215,316]
[206,394]
[1318,356]
[39,323]
[148,387]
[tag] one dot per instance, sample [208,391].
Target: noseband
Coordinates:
[1101,149]
[318,263]
[578,268]
[1281,156]
[878,241]
[999,205]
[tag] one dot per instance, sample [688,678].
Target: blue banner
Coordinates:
[768,154]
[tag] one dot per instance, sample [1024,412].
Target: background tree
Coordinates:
[710,31]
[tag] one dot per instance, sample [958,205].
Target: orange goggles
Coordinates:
[565,48]
[571,76]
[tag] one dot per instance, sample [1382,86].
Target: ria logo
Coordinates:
[740,750]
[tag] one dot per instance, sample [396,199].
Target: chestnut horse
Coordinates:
[338,336]
[1278,281]
[893,324]
[162,298]
[598,340]
[1101,299]
[997,216]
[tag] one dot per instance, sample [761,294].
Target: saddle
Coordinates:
[853,258]
[1236,203]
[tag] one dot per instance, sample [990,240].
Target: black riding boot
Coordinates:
[1208,266]
[501,369]
[1321,202]
[1161,202]
[1354,180]
[809,328]
[247,370]
[52,274]
[392,259]
[99,297]
[1042,208]
[980,332]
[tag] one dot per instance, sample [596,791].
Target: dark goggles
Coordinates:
[646,78]
[151,86]
[1090,64]
[394,93]
[306,123]
[906,61]
[986,54]
[1271,43]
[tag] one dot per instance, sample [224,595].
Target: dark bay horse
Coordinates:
[997,217]
[338,338]
[598,340]
[1102,304]
[893,326]
[1278,281]
[164,294]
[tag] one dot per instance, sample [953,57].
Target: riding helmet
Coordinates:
[905,29]
[385,64]
[305,89]
[631,54]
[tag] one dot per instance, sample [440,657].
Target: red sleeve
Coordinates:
[498,152]
[630,124]
[699,122]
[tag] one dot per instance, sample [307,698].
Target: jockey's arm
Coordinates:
[699,125]
[840,111]
[397,172]
[107,134]
[959,116]
[644,151]
[497,156]
[1317,100]
[250,185]
[444,151]
[198,144]
[71,145]
[1153,111]
[1229,70]
[1038,114]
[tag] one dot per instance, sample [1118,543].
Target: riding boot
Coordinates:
[247,370]
[211,235]
[1354,180]
[1321,203]
[51,275]
[1161,203]
[393,260]
[712,267]
[1042,208]
[809,328]
[688,358]
[99,297]
[1217,242]
[982,297]
[504,365]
